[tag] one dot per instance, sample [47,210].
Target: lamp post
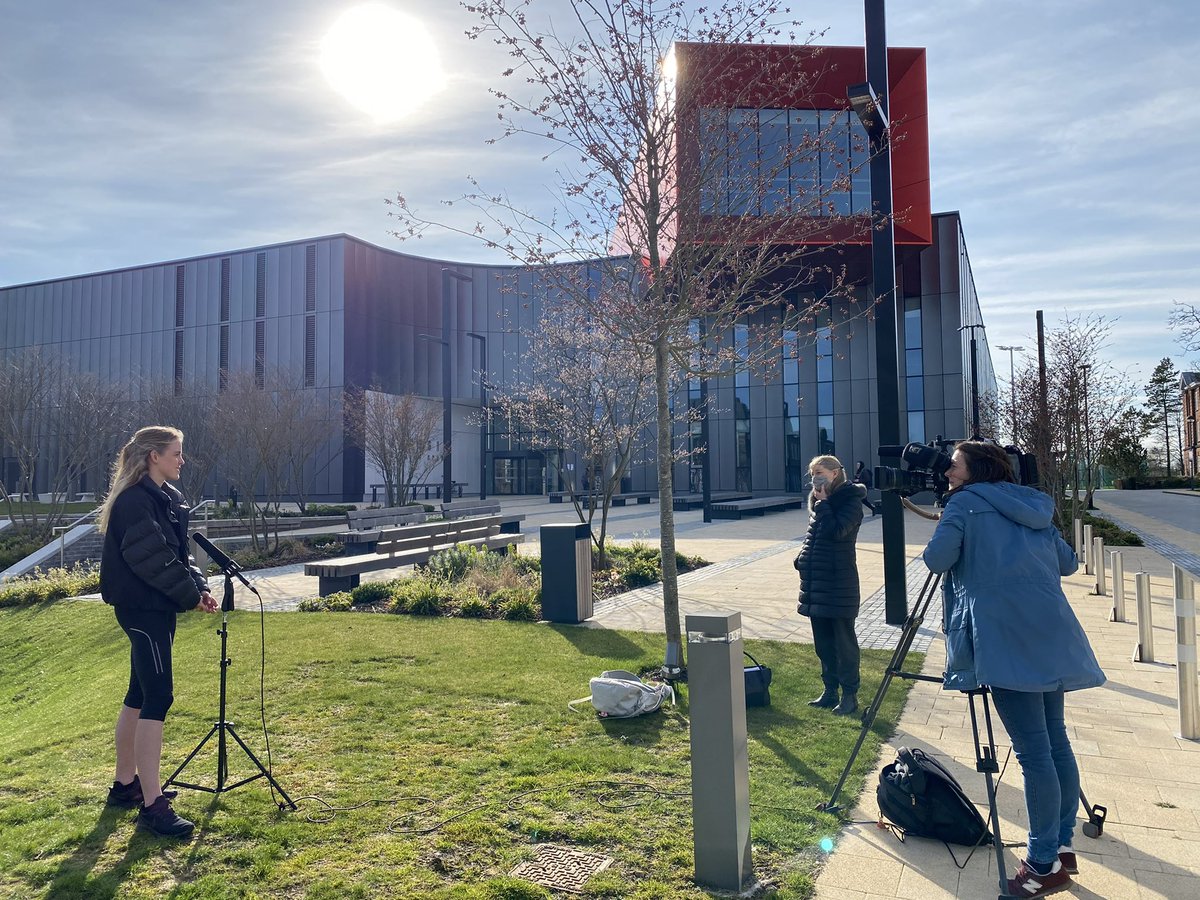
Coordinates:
[975,435]
[1087,435]
[485,413]
[870,103]
[1012,387]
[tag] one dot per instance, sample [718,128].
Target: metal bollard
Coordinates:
[1088,561]
[1144,652]
[1118,580]
[1078,546]
[1185,654]
[1098,556]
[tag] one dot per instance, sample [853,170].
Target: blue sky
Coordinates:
[134,131]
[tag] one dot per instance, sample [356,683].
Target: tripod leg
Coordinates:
[261,768]
[985,762]
[191,756]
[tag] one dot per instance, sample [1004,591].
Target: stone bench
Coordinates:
[685,502]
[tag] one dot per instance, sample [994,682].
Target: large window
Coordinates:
[914,381]
[741,408]
[824,348]
[783,161]
[793,462]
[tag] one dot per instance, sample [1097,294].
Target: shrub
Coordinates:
[475,607]
[526,565]
[420,596]
[451,565]
[639,571]
[372,592]
[518,605]
[339,602]
[54,584]
[16,544]
[1113,534]
[327,509]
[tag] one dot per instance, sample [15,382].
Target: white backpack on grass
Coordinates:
[622,695]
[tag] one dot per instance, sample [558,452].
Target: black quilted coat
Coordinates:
[146,564]
[826,562]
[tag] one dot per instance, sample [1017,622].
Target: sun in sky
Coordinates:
[382,61]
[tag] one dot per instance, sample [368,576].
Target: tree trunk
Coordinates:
[674,660]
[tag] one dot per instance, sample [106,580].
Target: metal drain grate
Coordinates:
[561,868]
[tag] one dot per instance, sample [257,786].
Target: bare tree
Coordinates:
[649,170]
[26,389]
[1185,321]
[400,435]
[89,421]
[587,394]
[204,441]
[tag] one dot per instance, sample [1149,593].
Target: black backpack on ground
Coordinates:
[918,795]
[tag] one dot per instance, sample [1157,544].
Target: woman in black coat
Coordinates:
[148,576]
[828,570]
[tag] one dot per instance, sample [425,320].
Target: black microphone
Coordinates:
[228,566]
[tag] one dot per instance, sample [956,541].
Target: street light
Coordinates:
[1012,387]
[484,412]
[870,103]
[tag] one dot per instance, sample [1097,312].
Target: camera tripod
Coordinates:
[985,755]
[221,727]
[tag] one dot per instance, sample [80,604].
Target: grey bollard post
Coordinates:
[1118,580]
[720,759]
[1098,556]
[1079,539]
[1185,654]
[1088,559]
[566,573]
[1145,647]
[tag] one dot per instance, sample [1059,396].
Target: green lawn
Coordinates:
[460,727]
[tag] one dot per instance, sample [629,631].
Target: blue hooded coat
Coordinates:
[1006,619]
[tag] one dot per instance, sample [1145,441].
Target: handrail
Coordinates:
[204,505]
[61,531]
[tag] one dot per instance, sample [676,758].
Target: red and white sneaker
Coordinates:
[1028,883]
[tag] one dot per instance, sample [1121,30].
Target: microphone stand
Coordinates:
[222,727]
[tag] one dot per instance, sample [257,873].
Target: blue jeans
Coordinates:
[1036,725]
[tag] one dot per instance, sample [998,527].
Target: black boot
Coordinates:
[848,706]
[827,700]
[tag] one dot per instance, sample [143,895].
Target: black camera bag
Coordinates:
[758,683]
[919,796]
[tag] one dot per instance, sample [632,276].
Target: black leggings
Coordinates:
[151,686]
[837,648]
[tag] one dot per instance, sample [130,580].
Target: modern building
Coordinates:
[337,315]
[1189,387]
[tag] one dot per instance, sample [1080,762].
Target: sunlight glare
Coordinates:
[382,61]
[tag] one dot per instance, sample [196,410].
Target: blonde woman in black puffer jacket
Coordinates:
[828,568]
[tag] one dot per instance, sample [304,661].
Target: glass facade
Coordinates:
[762,162]
[741,409]
[914,372]
[824,348]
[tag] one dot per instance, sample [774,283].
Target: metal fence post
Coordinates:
[1118,580]
[1185,654]
[1098,556]
[1089,563]
[1144,652]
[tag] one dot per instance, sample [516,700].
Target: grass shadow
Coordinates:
[599,642]
[73,877]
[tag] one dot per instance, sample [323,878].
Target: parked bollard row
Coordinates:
[1098,555]
[1078,545]
[1089,558]
[1185,654]
[1118,581]
[1144,652]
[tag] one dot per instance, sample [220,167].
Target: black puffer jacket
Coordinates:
[826,562]
[146,564]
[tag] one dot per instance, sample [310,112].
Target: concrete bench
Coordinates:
[409,545]
[638,497]
[617,499]
[756,506]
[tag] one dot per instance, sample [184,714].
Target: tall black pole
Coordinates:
[1043,429]
[1087,436]
[883,274]
[975,434]
[705,436]
[484,412]
[447,419]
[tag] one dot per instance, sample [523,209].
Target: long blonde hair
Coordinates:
[133,462]
[834,465]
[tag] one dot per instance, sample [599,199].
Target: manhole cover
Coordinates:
[561,868]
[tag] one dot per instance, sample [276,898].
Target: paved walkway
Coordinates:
[1124,734]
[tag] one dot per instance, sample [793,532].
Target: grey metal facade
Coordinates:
[336,313]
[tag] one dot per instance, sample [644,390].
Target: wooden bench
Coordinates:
[617,499]
[367,524]
[510,523]
[684,502]
[756,506]
[409,545]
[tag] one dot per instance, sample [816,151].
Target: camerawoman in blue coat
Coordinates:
[1009,628]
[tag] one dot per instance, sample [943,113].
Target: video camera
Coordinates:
[928,463]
